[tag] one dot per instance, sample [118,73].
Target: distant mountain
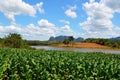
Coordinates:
[51,39]
[116,38]
[79,39]
[58,38]
[62,38]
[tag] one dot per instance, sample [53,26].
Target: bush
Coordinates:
[14,40]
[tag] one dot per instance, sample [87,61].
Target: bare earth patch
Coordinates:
[85,45]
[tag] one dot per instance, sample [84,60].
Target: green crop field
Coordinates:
[18,64]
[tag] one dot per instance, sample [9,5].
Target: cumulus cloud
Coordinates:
[42,31]
[98,23]
[47,29]
[30,31]
[70,12]
[66,29]
[5,30]
[11,8]
[114,5]
[65,22]
[44,23]
[38,7]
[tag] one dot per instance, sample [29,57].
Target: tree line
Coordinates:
[14,40]
[106,42]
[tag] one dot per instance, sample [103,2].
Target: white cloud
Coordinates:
[67,31]
[10,17]
[65,22]
[98,23]
[70,12]
[11,8]
[115,5]
[44,23]
[91,1]
[29,32]
[1,29]
[42,31]
[38,7]
[5,30]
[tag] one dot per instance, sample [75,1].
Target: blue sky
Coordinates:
[40,19]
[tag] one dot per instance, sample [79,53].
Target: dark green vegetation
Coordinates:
[106,42]
[65,40]
[112,42]
[54,41]
[36,42]
[18,64]
[14,40]
[69,40]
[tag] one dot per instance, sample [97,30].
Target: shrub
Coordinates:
[14,40]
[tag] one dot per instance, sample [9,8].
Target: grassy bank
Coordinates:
[63,65]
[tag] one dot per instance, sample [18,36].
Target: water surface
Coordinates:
[78,49]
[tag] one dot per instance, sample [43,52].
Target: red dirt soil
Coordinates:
[85,45]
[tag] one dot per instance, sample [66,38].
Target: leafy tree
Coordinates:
[14,40]
[66,41]
[70,38]
[1,40]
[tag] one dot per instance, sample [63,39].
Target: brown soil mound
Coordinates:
[85,45]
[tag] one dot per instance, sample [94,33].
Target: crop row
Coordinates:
[18,64]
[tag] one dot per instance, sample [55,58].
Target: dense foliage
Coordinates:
[36,42]
[69,40]
[1,42]
[18,64]
[14,40]
[106,42]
